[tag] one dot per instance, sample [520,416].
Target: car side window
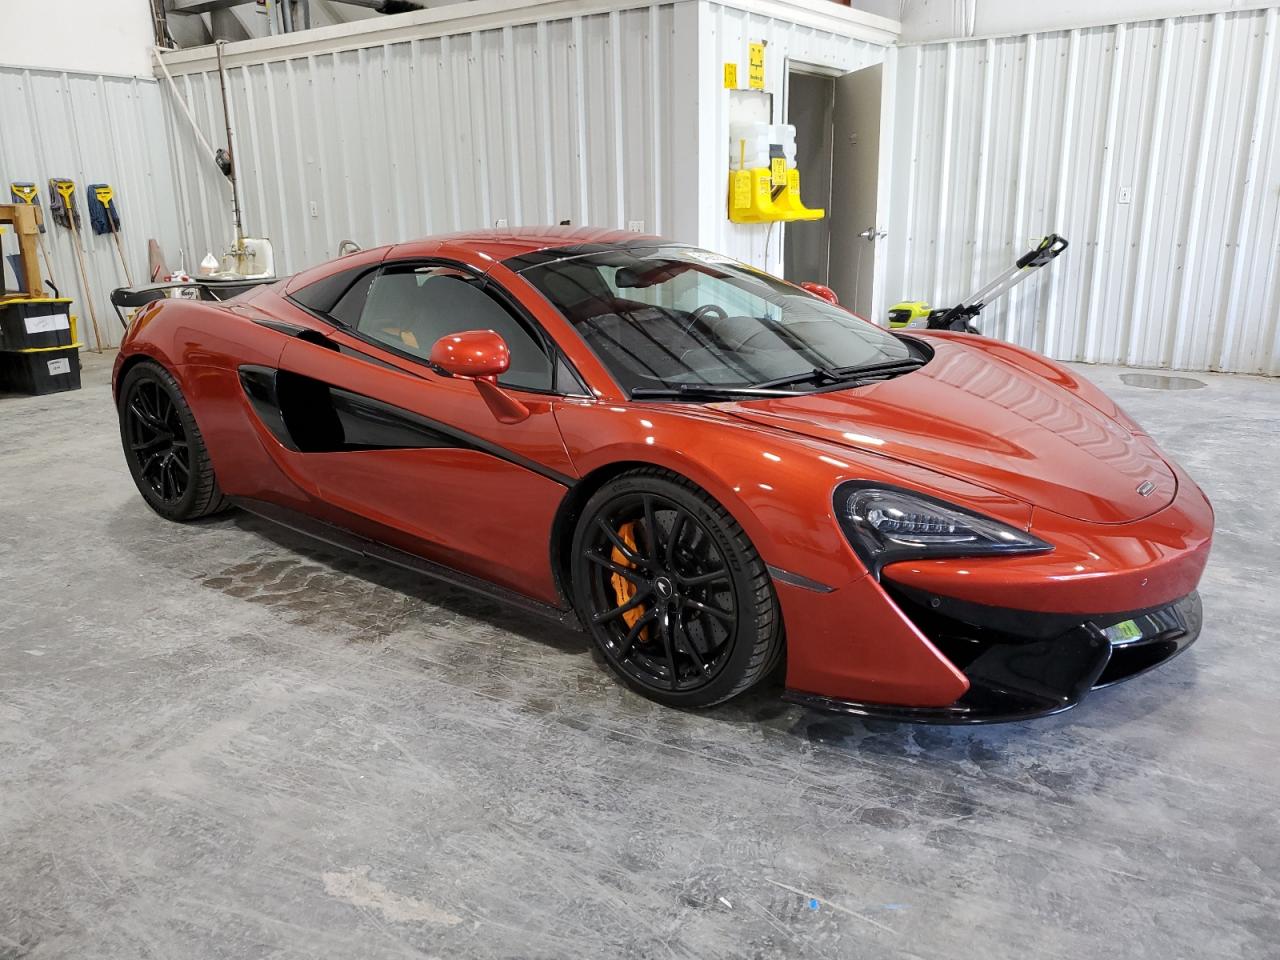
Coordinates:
[339,296]
[410,307]
[349,306]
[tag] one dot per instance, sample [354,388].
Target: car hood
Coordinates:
[988,421]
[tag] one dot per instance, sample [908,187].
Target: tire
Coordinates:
[692,623]
[163,446]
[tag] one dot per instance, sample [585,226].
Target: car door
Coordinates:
[419,456]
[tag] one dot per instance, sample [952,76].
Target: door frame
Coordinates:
[884,170]
[809,68]
[791,65]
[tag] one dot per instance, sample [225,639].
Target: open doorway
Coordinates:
[810,102]
[837,121]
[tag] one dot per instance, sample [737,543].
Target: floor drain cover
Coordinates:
[1157,381]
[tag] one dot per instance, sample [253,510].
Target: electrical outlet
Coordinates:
[501,223]
[1125,196]
[635,226]
[315,210]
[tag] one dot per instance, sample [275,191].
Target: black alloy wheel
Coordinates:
[158,440]
[672,591]
[163,446]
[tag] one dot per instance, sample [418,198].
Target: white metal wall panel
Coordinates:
[606,118]
[999,141]
[727,33]
[564,119]
[92,129]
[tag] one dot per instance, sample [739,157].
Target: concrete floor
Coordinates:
[220,741]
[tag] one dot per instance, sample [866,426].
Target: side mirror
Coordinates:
[471,353]
[821,290]
[480,356]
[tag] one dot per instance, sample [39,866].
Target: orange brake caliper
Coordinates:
[623,588]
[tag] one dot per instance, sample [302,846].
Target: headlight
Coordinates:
[885,525]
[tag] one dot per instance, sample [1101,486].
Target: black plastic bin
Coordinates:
[40,322]
[40,371]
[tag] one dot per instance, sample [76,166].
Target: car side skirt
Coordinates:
[354,543]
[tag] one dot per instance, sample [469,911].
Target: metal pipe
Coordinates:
[231,149]
[286,10]
[186,111]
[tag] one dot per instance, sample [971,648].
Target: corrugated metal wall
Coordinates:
[608,119]
[92,129]
[726,34]
[999,141]
[533,123]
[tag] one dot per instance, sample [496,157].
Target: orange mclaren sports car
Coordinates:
[713,472]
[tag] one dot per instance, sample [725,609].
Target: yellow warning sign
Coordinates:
[755,73]
[731,76]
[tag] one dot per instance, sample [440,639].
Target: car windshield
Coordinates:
[678,317]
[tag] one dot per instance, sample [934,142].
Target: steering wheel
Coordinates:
[697,315]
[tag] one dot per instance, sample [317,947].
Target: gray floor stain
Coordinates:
[356,888]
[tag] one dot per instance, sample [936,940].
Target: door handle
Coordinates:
[873,234]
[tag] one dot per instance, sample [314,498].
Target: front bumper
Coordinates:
[1021,664]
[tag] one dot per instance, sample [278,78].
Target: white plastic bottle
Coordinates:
[209,265]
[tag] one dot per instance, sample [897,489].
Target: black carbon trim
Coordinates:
[536,258]
[347,351]
[311,416]
[322,340]
[953,715]
[259,385]
[1030,624]
[369,407]
[369,424]
[280,326]
[345,539]
[795,580]
[1021,676]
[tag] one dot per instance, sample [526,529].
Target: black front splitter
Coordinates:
[956,714]
[1016,678]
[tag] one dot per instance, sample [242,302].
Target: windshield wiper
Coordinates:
[883,368]
[817,375]
[845,375]
[704,391]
